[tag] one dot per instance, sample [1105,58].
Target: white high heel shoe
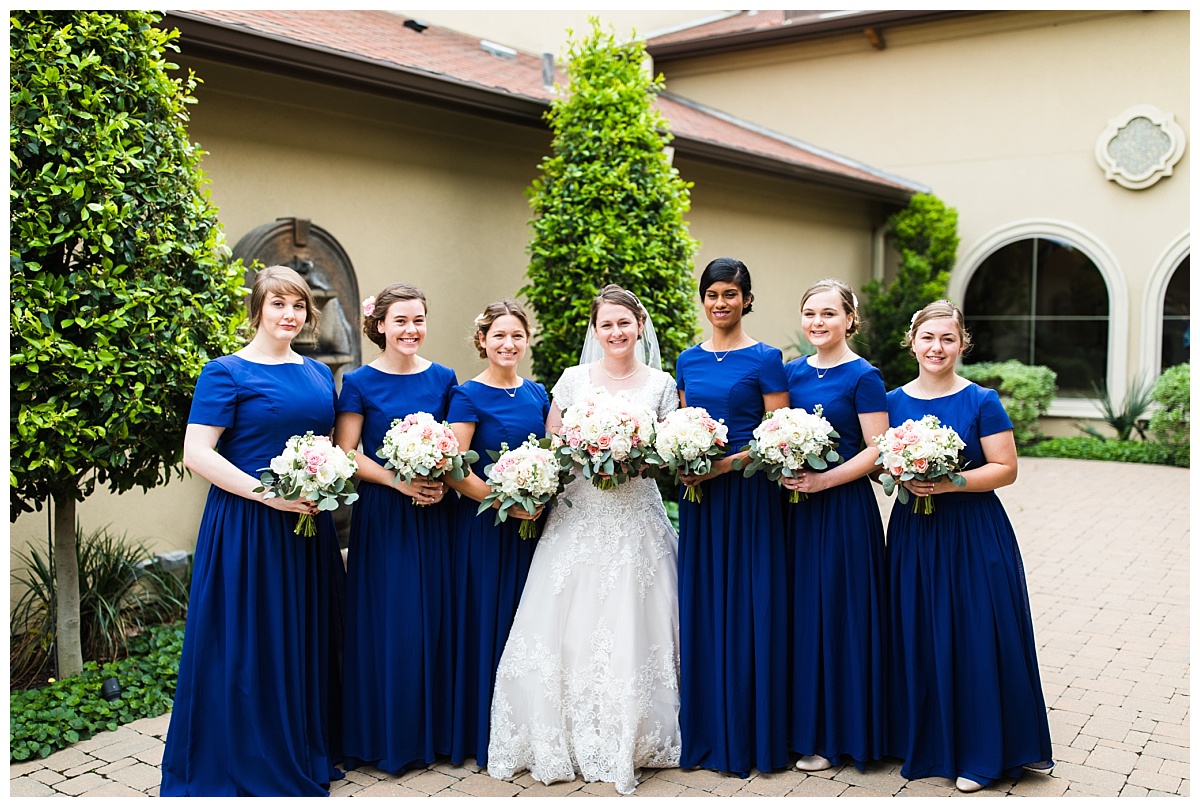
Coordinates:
[813,763]
[967,785]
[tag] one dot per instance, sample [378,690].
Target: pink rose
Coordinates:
[574,441]
[896,471]
[604,442]
[445,446]
[910,438]
[771,425]
[921,465]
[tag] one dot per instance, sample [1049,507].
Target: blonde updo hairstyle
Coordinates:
[483,322]
[281,280]
[614,294]
[844,292]
[383,301]
[938,309]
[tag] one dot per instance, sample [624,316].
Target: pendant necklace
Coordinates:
[721,357]
[830,367]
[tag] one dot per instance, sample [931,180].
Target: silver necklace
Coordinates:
[511,393]
[616,378]
[721,357]
[830,367]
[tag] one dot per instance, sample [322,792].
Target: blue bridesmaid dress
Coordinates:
[399,660]
[490,562]
[965,696]
[256,705]
[732,581]
[836,565]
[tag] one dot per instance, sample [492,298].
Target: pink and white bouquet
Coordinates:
[310,467]
[789,440]
[418,445]
[687,441]
[527,475]
[919,449]
[609,438]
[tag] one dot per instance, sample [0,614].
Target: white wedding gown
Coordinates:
[589,678]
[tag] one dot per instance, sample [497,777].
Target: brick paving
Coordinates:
[1107,560]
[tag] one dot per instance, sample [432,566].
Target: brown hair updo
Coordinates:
[493,312]
[849,301]
[614,294]
[382,302]
[938,309]
[280,280]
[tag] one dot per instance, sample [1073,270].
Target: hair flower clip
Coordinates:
[914,317]
[368,306]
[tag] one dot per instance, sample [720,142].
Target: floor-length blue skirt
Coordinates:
[836,563]
[256,710]
[399,662]
[733,627]
[491,563]
[965,694]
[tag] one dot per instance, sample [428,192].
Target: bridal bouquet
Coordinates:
[527,475]
[687,441]
[418,445]
[919,449]
[607,436]
[310,467]
[788,440]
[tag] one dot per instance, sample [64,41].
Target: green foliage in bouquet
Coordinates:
[1171,423]
[1026,392]
[926,235]
[608,208]
[121,282]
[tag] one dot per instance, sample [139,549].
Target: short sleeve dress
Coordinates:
[732,581]
[490,561]
[257,706]
[965,694]
[399,662]
[836,569]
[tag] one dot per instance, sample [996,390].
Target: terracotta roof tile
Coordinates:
[383,38]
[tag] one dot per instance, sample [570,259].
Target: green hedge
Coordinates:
[1171,424]
[1026,392]
[1093,448]
[41,721]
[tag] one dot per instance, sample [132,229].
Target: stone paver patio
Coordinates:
[1106,550]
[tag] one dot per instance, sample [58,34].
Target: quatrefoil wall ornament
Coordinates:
[1140,147]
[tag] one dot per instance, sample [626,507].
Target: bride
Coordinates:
[588,681]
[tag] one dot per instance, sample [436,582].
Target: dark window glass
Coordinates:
[1042,301]
[1176,325]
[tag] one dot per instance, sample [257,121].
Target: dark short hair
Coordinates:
[728,270]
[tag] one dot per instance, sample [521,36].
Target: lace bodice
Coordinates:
[588,681]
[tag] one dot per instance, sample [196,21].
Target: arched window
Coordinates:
[1176,319]
[1042,300]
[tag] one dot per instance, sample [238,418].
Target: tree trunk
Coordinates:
[66,584]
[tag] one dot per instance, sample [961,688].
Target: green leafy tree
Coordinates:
[608,208]
[122,285]
[926,235]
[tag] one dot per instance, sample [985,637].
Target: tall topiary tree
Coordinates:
[121,281]
[608,207]
[926,235]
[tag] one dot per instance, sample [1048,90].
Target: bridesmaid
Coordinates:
[253,714]
[399,663]
[732,581]
[835,539]
[490,562]
[965,697]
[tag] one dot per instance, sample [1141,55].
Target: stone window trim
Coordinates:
[1110,270]
[1152,300]
[1140,146]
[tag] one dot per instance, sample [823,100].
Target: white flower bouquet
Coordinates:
[310,467]
[418,445]
[919,449]
[527,475]
[608,438]
[787,441]
[687,441]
